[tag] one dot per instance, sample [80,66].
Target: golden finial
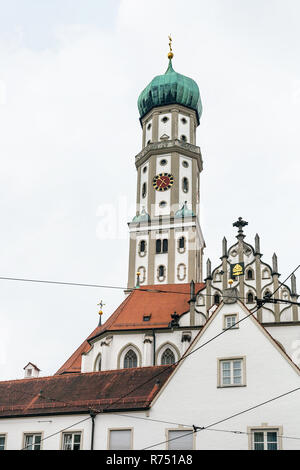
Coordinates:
[101,304]
[230,282]
[170,54]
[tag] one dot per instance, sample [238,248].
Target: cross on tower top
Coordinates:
[240,223]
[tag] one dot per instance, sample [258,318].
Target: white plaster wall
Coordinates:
[181,258]
[185,172]
[47,425]
[289,337]
[184,129]
[144,179]
[148,131]
[163,195]
[142,260]
[161,259]
[164,128]
[267,374]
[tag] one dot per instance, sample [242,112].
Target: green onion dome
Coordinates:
[170,88]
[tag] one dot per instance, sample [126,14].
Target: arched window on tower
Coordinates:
[250,274]
[158,246]
[142,246]
[144,190]
[165,245]
[130,359]
[167,357]
[217,299]
[185,185]
[161,271]
[250,298]
[181,243]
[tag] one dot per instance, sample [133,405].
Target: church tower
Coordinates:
[166,242]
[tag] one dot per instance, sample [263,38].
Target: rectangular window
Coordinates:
[180,439]
[230,321]
[32,441]
[120,439]
[71,441]
[2,441]
[231,372]
[265,439]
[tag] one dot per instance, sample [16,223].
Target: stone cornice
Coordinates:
[168,146]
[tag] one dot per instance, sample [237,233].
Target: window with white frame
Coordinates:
[71,441]
[32,441]
[231,372]
[265,439]
[2,441]
[230,321]
[180,439]
[120,439]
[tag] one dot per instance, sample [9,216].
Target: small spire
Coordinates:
[293,284]
[275,263]
[170,54]
[208,269]
[224,246]
[101,305]
[257,244]
[192,291]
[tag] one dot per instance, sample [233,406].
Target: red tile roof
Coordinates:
[123,389]
[158,301]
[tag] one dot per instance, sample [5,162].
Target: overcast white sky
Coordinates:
[70,75]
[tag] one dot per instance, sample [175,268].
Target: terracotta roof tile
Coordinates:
[100,391]
[161,302]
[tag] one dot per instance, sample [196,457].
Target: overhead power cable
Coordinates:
[204,428]
[184,357]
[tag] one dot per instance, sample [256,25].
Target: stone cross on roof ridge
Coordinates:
[240,223]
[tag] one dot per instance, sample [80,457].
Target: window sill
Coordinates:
[231,386]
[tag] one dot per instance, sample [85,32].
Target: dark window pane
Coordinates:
[158,246]
[130,359]
[181,242]
[165,246]
[167,357]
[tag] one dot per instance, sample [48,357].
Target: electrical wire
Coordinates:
[185,356]
[204,428]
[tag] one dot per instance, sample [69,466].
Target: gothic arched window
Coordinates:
[217,299]
[130,359]
[250,298]
[143,246]
[167,357]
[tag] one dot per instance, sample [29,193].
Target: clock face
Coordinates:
[163,181]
